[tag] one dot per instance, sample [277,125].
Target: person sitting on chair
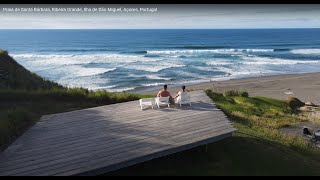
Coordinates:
[165,93]
[183,90]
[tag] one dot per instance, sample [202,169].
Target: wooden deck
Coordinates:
[98,140]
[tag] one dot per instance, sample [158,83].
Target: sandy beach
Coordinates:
[304,86]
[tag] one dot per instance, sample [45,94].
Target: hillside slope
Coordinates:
[15,76]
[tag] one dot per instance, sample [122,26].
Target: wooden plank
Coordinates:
[52,171]
[166,132]
[126,117]
[123,148]
[136,110]
[174,124]
[87,161]
[115,157]
[120,117]
[103,168]
[110,137]
[134,126]
[185,127]
[133,122]
[121,110]
[107,161]
[120,126]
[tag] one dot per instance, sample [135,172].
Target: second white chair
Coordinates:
[146,102]
[184,98]
[162,101]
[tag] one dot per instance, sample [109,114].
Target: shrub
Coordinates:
[244,94]
[235,93]
[294,103]
[3,52]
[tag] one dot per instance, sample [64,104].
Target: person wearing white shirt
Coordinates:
[178,96]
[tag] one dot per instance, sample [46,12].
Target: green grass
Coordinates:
[257,148]
[13,75]
[3,52]
[235,93]
[263,117]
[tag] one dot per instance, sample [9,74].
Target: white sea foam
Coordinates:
[103,87]
[275,61]
[202,68]
[208,51]
[219,62]
[69,70]
[90,82]
[153,84]
[243,71]
[183,51]
[135,75]
[257,50]
[111,88]
[306,51]
[122,89]
[190,74]
[154,68]
[77,71]
[45,60]
[151,76]
[81,71]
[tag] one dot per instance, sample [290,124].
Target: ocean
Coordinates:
[122,60]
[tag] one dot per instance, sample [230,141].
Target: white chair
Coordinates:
[146,102]
[184,98]
[162,101]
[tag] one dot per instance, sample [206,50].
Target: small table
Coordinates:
[146,102]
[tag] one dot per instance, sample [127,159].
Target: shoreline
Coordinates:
[305,86]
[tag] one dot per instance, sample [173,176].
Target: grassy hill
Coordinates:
[14,76]
[25,97]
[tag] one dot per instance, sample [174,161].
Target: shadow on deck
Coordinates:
[98,140]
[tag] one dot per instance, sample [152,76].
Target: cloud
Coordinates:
[168,17]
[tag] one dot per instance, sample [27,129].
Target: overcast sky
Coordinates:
[166,17]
